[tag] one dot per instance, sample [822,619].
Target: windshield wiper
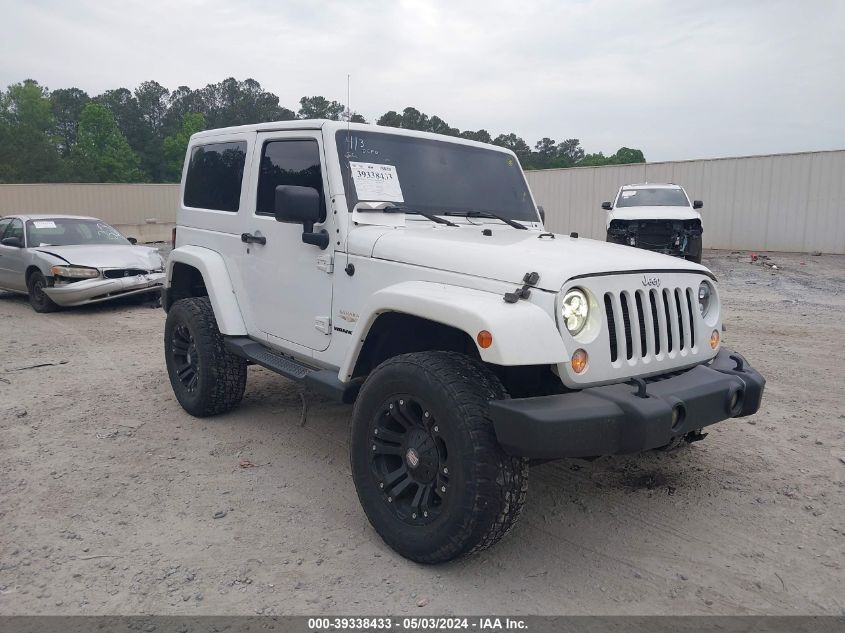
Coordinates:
[487,214]
[427,216]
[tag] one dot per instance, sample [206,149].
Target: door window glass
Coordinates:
[294,162]
[215,175]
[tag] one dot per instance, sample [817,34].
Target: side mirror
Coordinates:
[301,205]
[606,206]
[697,204]
[542,213]
[12,241]
[132,240]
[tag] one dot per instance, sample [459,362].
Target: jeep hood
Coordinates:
[653,213]
[508,253]
[104,255]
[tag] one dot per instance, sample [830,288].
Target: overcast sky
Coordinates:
[675,79]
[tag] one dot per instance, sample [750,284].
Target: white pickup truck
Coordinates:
[657,217]
[410,274]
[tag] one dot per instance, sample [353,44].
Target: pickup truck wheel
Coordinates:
[429,473]
[206,378]
[38,299]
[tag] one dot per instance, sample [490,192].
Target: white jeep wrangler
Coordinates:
[657,217]
[410,273]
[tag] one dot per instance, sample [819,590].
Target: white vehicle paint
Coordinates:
[396,269]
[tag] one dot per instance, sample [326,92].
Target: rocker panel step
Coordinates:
[323,381]
[260,355]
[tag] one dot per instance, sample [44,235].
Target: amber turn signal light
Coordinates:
[714,339]
[485,339]
[579,361]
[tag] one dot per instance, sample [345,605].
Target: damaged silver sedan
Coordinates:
[68,260]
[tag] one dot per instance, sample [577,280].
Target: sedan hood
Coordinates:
[507,254]
[653,213]
[105,256]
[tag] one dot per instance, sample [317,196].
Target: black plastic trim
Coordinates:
[617,419]
[646,270]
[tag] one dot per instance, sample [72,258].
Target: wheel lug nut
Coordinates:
[401,402]
[375,432]
[414,515]
[391,405]
[442,488]
[390,499]
[426,414]
[374,447]
[381,485]
[436,429]
[445,471]
[425,514]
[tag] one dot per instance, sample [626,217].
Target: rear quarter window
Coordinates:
[215,176]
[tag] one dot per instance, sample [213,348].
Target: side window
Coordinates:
[294,162]
[3,224]
[15,229]
[214,176]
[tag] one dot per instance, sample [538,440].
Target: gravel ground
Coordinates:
[113,500]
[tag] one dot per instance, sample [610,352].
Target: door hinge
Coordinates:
[323,324]
[325,263]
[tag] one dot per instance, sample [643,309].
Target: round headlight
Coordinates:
[574,310]
[704,295]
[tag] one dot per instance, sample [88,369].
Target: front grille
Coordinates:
[647,323]
[117,273]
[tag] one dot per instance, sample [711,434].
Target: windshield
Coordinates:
[70,231]
[432,176]
[658,197]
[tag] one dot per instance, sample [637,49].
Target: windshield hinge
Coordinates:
[529,280]
[325,263]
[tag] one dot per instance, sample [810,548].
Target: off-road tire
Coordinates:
[221,375]
[487,487]
[39,301]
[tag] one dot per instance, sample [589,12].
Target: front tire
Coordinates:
[429,473]
[38,299]
[206,378]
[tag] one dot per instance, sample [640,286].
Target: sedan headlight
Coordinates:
[705,294]
[75,272]
[574,310]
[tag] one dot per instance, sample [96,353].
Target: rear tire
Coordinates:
[38,299]
[206,378]
[458,492]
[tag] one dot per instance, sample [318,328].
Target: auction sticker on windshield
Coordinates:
[376,182]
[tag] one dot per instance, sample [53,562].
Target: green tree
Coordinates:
[482,136]
[176,145]
[544,154]
[517,145]
[569,152]
[27,143]
[390,119]
[67,105]
[102,153]
[319,108]
[626,155]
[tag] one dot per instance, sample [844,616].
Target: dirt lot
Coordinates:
[109,491]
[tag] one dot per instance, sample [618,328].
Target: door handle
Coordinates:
[249,238]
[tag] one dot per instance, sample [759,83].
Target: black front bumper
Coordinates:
[620,418]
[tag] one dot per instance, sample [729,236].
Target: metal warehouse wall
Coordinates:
[147,212]
[783,202]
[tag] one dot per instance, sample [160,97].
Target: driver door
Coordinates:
[288,283]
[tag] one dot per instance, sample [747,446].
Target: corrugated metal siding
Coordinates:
[147,212]
[785,202]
